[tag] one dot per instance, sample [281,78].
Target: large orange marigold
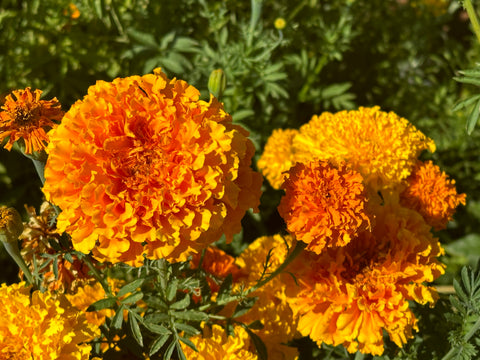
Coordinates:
[26,117]
[324,205]
[142,166]
[432,194]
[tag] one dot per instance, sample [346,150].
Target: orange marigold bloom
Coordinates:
[216,344]
[278,156]
[40,326]
[36,237]
[349,295]
[324,205]
[432,194]
[141,166]
[271,307]
[28,118]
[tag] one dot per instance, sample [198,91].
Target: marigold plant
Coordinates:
[141,166]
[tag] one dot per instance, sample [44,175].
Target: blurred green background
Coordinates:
[326,56]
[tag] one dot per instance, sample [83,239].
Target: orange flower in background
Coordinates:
[141,166]
[349,295]
[324,205]
[278,156]
[40,326]
[430,192]
[25,117]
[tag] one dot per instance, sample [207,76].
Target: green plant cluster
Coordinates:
[330,55]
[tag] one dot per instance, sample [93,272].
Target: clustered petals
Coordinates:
[25,117]
[141,166]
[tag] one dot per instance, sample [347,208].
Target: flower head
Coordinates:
[349,295]
[430,192]
[141,166]
[324,205]
[26,117]
[216,344]
[278,156]
[11,225]
[41,326]
[382,146]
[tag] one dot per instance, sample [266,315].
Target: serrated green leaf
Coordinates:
[187,342]
[156,303]
[171,291]
[132,299]
[466,279]
[157,344]
[130,287]
[468,80]
[167,39]
[190,315]
[189,330]
[275,76]
[68,257]
[470,72]
[143,38]
[460,293]
[465,103]
[185,44]
[225,288]
[456,303]
[156,318]
[180,352]
[102,304]
[117,319]
[335,90]
[135,328]
[157,329]
[242,114]
[169,352]
[181,304]
[473,118]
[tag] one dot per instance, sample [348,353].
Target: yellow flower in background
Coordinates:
[324,205]
[349,295]
[25,117]
[41,327]
[280,23]
[141,166]
[430,192]
[271,307]
[382,146]
[216,344]
[278,156]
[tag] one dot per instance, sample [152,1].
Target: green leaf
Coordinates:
[169,352]
[142,38]
[259,344]
[225,288]
[156,303]
[466,279]
[68,257]
[473,118]
[137,335]
[132,299]
[157,344]
[157,318]
[256,325]
[130,287]
[190,315]
[171,291]
[180,353]
[103,304]
[335,90]
[185,44]
[460,293]
[242,114]
[181,304]
[244,306]
[465,103]
[189,330]
[157,329]
[188,343]
[55,267]
[117,319]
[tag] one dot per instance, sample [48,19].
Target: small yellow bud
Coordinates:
[217,83]
[11,225]
[280,23]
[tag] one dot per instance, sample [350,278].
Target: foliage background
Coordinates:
[331,55]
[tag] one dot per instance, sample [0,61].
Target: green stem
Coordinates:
[298,249]
[454,350]
[94,271]
[254,17]
[473,17]
[14,252]
[40,167]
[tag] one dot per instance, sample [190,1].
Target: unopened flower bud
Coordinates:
[11,225]
[217,83]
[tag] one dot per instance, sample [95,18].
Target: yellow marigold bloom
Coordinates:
[142,166]
[280,23]
[35,242]
[41,326]
[271,308]
[28,118]
[349,295]
[382,146]
[215,344]
[432,194]
[278,156]
[324,205]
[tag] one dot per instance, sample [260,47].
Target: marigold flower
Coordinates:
[324,205]
[28,118]
[348,295]
[278,156]
[141,166]
[36,237]
[382,146]
[41,326]
[432,194]
[216,344]
[271,307]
